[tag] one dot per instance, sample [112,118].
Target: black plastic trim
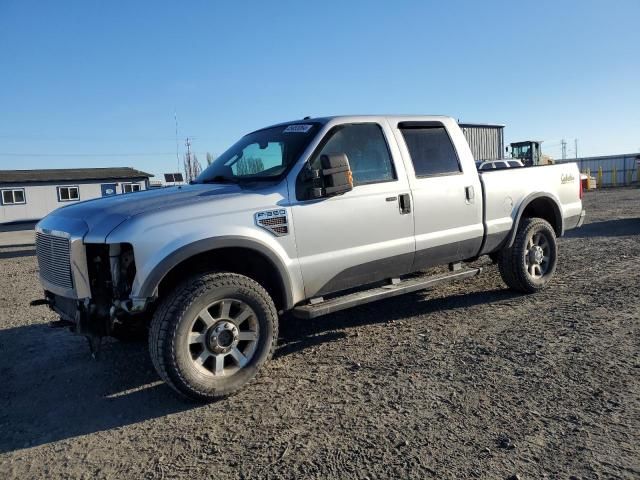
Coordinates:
[443,254]
[494,242]
[574,221]
[368,273]
[525,203]
[371,272]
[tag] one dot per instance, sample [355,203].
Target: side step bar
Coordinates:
[325,307]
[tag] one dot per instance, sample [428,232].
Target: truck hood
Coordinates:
[102,215]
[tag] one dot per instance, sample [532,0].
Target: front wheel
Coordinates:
[529,264]
[210,337]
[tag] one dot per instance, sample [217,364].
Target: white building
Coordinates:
[27,195]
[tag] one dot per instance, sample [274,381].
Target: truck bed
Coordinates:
[503,193]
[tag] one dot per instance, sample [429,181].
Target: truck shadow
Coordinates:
[18,226]
[297,335]
[52,390]
[30,252]
[609,228]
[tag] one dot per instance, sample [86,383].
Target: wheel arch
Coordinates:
[234,254]
[541,205]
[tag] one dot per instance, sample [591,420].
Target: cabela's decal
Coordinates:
[567,178]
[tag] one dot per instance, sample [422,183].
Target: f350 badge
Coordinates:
[274,221]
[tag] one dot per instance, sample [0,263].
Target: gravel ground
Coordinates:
[468,380]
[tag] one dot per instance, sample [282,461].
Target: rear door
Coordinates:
[361,236]
[447,198]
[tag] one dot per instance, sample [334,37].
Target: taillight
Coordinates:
[581,190]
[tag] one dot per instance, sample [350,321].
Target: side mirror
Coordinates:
[333,178]
[336,174]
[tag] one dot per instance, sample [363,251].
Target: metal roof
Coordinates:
[480,125]
[70,174]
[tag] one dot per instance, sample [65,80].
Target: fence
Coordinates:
[610,170]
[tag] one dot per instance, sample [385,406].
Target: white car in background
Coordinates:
[497,164]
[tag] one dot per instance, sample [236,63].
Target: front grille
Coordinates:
[54,259]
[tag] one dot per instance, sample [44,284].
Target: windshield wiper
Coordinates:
[220,179]
[239,180]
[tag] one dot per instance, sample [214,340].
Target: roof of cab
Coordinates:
[358,118]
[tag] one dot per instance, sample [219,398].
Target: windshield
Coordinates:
[522,151]
[263,155]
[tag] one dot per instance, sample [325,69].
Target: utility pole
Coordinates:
[575,140]
[187,142]
[175,117]
[564,149]
[188,170]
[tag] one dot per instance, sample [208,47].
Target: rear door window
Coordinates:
[432,152]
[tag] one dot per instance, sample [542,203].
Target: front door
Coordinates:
[362,236]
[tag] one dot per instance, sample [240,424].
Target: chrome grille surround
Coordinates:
[54,259]
[62,256]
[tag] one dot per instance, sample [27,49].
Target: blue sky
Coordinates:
[96,83]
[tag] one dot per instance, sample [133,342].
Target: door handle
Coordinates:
[405,204]
[469,193]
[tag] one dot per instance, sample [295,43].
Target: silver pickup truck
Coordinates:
[308,217]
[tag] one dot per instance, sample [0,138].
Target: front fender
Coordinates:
[147,288]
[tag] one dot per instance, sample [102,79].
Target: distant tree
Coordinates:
[210,159]
[192,167]
[196,168]
[249,166]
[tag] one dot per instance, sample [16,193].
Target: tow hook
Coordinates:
[61,324]
[95,342]
[40,301]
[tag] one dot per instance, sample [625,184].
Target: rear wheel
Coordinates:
[211,336]
[530,263]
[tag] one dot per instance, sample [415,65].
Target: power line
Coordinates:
[15,154]
[85,138]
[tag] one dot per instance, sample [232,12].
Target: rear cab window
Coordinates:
[431,149]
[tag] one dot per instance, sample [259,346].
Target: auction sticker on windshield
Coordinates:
[298,128]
